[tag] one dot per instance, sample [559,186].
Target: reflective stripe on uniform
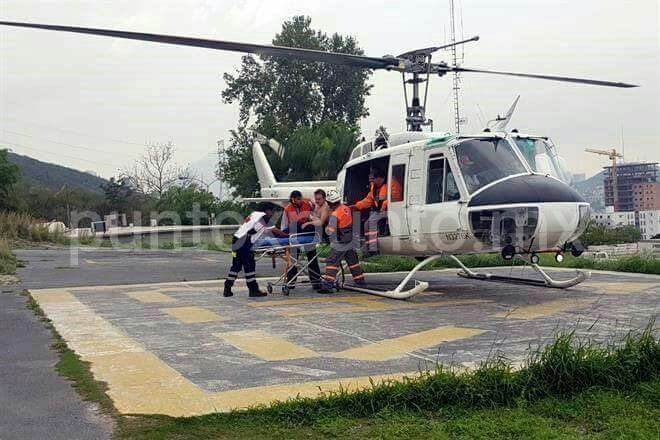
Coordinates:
[358,277]
[354,266]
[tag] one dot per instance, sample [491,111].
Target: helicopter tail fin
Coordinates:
[264,172]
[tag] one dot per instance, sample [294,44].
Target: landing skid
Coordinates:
[547,280]
[398,292]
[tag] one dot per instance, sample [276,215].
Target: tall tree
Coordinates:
[156,170]
[8,177]
[277,97]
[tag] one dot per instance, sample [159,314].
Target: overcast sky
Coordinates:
[105,98]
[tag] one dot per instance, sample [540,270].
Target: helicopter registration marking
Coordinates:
[458,235]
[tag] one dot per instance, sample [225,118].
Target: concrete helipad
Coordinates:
[182,349]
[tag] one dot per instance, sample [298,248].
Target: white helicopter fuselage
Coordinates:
[460,195]
[456,200]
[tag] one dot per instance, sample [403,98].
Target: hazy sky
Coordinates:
[111,96]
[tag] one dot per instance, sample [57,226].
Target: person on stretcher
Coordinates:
[297,219]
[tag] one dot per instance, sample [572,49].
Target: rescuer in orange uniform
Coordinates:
[340,232]
[376,202]
[297,215]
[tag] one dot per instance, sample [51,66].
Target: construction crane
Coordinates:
[613,155]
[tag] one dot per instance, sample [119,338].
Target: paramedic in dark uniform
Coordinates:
[342,244]
[255,226]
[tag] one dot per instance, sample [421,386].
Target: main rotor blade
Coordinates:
[536,76]
[259,49]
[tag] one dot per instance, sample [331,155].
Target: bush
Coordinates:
[20,226]
[8,261]
[597,235]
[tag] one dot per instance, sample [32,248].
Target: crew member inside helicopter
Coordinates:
[297,218]
[376,202]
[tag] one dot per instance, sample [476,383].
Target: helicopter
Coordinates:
[461,194]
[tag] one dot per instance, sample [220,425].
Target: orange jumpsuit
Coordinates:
[376,200]
[340,231]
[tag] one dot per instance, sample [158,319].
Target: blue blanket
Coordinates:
[296,240]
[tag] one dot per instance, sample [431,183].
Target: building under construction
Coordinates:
[637,186]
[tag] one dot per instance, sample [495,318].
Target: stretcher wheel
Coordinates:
[285,290]
[269,288]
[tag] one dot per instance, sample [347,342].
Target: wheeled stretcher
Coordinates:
[287,249]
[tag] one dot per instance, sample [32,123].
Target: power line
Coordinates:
[78,133]
[57,142]
[16,144]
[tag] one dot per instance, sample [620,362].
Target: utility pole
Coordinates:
[221,147]
[456,78]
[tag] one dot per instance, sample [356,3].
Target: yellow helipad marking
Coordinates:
[377,306]
[228,400]
[545,309]
[141,383]
[315,300]
[398,347]
[192,315]
[266,346]
[619,288]
[149,297]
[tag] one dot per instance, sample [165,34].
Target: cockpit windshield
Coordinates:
[483,161]
[542,157]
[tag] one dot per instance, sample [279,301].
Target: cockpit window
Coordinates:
[541,155]
[483,161]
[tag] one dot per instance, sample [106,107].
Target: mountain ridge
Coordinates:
[36,173]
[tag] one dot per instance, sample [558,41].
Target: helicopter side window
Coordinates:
[451,189]
[435,181]
[397,183]
[441,184]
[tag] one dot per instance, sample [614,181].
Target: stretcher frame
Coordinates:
[284,252]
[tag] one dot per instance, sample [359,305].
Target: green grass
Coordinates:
[639,263]
[73,368]
[569,389]
[8,262]
[18,227]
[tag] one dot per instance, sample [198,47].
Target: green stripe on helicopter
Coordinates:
[439,140]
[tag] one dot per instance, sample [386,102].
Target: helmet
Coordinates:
[333,196]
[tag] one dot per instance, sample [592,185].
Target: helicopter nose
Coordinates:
[530,188]
[530,211]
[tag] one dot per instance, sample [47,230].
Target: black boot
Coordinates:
[227,292]
[254,290]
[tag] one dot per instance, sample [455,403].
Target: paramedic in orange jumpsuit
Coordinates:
[376,202]
[342,245]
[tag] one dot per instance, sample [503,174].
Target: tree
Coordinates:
[8,177]
[182,201]
[278,97]
[156,170]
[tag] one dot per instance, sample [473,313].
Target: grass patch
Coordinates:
[637,263]
[73,368]
[17,227]
[8,261]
